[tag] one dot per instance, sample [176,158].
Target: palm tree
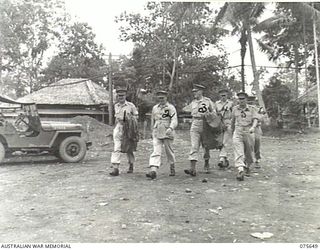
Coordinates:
[243,16]
[287,36]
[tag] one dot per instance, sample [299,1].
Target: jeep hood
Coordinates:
[66,126]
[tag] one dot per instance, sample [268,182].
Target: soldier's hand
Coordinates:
[169,132]
[251,130]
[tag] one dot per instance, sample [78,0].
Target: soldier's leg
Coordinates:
[206,155]
[170,155]
[249,140]
[257,144]
[195,145]
[116,154]
[206,158]
[227,140]
[131,160]
[238,147]
[248,151]
[155,158]
[195,136]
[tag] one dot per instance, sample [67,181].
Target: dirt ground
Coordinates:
[43,200]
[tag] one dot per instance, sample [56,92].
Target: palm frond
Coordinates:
[221,14]
[270,51]
[274,21]
[307,9]
[257,10]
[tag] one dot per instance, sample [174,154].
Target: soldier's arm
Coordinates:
[174,118]
[212,107]
[152,117]
[135,112]
[233,121]
[255,119]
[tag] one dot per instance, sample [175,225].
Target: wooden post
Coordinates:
[110,91]
[317,66]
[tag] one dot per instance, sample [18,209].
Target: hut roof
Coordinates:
[309,96]
[72,91]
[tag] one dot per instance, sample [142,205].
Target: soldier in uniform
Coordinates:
[224,109]
[258,131]
[200,106]
[164,120]
[123,109]
[244,121]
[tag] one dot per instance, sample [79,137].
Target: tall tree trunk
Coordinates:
[254,70]
[296,55]
[305,66]
[1,81]
[243,42]
[172,74]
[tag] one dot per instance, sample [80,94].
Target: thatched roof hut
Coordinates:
[69,98]
[311,95]
[70,92]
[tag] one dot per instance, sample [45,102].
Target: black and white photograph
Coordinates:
[159,122]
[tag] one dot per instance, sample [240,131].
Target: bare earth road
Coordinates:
[47,201]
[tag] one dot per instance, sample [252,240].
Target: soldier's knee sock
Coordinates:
[153,168]
[206,163]
[172,169]
[193,165]
[115,165]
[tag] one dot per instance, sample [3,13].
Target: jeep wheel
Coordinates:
[2,152]
[72,149]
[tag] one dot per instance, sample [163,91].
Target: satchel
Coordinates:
[214,121]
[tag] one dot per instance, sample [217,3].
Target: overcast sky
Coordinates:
[100,15]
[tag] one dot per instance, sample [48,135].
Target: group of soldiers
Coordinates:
[241,124]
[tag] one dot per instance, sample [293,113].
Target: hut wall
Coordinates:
[48,111]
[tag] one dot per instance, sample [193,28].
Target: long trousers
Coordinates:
[195,137]
[243,143]
[155,157]
[116,154]
[257,142]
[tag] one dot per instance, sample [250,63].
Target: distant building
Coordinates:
[309,100]
[69,98]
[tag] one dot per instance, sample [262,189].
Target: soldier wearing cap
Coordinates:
[200,107]
[164,120]
[258,131]
[244,121]
[123,110]
[224,109]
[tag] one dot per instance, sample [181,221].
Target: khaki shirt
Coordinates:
[119,109]
[244,117]
[224,109]
[202,106]
[262,117]
[164,117]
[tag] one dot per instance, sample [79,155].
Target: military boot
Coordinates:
[152,175]
[172,170]
[130,170]
[192,170]
[115,172]
[206,167]
[257,165]
[222,163]
[247,171]
[240,176]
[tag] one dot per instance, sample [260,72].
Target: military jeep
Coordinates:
[25,134]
